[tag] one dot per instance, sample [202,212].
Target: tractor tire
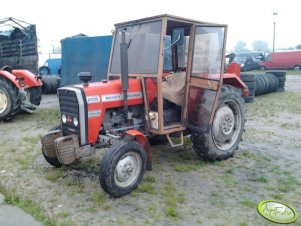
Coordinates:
[122,168]
[35,95]
[53,160]
[247,77]
[50,84]
[10,100]
[44,70]
[281,79]
[277,73]
[225,133]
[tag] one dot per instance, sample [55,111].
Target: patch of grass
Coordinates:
[31,140]
[277,196]
[55,175]
[287,182]
[12,149]
[74,185]
[186,155]
[249,203]
[22,161]
[261,179]
[185,167]
[275,104]
[150,179]
[28,206]
[290,126]
[99,200]
[229,179]
[52,116]
[147,187]
[172,212]
[172,199]
[63,214]
[90,165]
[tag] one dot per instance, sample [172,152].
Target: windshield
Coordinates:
[143,48]
[240,58]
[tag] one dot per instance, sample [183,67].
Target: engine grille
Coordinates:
[70,107]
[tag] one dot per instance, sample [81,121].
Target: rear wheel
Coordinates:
[122,168]
[9,99]
[226,130]
[297,67]
[262,68]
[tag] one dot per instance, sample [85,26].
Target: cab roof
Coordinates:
[169,17]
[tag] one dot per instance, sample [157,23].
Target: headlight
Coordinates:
[64,118]
[75,121]
[242,65]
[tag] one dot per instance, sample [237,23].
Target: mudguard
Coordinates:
[143,141]
[234,80]
[30,80]
[10,77]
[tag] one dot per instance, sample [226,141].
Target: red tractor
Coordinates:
[165,80]
[19,90]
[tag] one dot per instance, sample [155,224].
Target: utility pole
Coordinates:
[274,30]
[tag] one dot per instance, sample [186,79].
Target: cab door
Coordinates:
[205,76]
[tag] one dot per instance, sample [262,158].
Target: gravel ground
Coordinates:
[181,189]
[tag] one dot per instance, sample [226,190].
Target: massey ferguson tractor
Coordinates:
[165,81]
[20,88]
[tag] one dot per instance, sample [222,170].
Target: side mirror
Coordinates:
[178,36]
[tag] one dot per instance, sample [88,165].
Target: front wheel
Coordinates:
[226,130]
[262,68]
[122,168]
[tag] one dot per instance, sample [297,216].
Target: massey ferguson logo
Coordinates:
[119,96]
[93,99]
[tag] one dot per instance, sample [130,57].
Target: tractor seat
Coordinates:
[174,87]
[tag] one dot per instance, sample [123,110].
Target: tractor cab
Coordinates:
[179,61]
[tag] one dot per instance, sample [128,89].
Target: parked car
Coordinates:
[249,60]
[282,60]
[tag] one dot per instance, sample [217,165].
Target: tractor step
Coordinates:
[172,144]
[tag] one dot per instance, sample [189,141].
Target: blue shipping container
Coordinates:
[85,54]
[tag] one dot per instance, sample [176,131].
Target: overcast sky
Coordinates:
[248,20]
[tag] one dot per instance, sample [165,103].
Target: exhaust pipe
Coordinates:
[124,69]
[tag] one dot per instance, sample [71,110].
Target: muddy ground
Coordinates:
[181,190]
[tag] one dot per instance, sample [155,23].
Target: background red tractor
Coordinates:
[165,80]
[20,88]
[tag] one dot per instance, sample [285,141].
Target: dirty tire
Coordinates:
[130,159]
[247,77]
[277,73]
[35,95]
[10,100]
[225,133]
[53,160]
[50,84]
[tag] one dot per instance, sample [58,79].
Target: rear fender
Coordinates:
[143,141]
[234,80]
[30,80]
[10,77]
